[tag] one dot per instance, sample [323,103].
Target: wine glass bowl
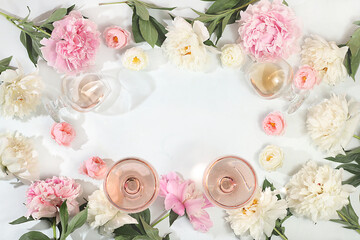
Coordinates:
[229,182]
[131,185]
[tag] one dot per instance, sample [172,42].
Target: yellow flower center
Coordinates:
[253,204]
[325,69]
[136,60]
[115,39]
[268,158]
[186,51]
[303,79]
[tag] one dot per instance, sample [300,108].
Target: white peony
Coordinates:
[19,94]
[332,123]
[135,59]
[103,215]
[184,44]
[325,57]
[232,56]
[17,157]
[271,157]
[259,216]
[316,192]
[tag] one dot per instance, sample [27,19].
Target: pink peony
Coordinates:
[306,78]
[274,124]
[181,196]
[269,30]
[44,198]
[116,37]
[63,133]
[94,167]
[72,45]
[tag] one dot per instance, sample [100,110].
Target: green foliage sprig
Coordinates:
[352,58]
[145,28]
[5,64]
[348,218]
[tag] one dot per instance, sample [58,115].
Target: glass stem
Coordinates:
[163,216]
[357,137]
[54,228]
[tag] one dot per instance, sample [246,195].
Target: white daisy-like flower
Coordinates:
[103,215]
[17,157]
[232,56]
[19,94]
[258,218]
[135,59]
[332,123]
[184,44]
[316,192]
[325,57]
[271,157]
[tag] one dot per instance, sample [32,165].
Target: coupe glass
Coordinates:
[275,79]
[132,185]
[230,182]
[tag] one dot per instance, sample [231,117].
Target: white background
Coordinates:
[186,120]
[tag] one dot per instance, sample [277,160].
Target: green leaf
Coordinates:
[225,21]
[285,3]
[135,29]
[161,31]
[5,61]
[340,158]
[21,220]
[166,237]
[350,167]
[152,233]
[57,15]
[209,43]
[355,62]
[77,221]
[127,230]
[153,6]
[355,181]
[221,5]
[34,235]
[64,217]
[124,237]
[69,9]
[27,42]
[141,11]
[212,26]
[267,184]
[173,216]
[348,218]
[144,214]
[148,31]
[142,237]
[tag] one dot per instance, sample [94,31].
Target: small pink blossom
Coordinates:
[274,124]
[182,197]
[306,78]
[269,30]
[44,198]
[116,37]
[94,167]
[63,133]
[73,44]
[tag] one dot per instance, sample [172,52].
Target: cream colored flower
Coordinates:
[332,123]
[17,157]
[316,192]
[271,157]
[184,44]
[135,59]
[258,218]
[19,94]
[325,57]
[103,215]
[232,56]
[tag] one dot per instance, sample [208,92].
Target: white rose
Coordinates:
[271,157]
[232,56]
[135,59]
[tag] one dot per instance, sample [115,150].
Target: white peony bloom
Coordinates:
[17,157]
[184,44]
[325,57]
[19,94]
[258,218]
[316,192]
[232,56]
[102,214]
[332,123]
[135,59]
[271,157]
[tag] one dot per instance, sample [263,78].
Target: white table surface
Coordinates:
[186,121]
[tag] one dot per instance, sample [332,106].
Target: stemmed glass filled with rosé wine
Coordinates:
[229,182]
[131,185]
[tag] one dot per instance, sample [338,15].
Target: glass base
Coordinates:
[53,107]
[297,101]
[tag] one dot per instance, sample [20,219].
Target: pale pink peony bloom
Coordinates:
[63,133]
[306,78]
[274,124]
[94,167]
[73,44]
[181,196]
[116,37]
[269,30]
[44,198]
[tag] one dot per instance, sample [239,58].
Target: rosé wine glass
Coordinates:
[131,185]
[229,182]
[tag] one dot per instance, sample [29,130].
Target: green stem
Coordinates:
[158,221]
[226,12]
[41,30]
[112,3]
[356,136]
[280,234]
[54,228]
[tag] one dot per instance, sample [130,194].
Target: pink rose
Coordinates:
[274,124]
[44,198]
[63,133]
[94,167]
[269,30]
[306,78]
[116,37]
[73,44]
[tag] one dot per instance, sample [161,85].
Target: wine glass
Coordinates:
[131,185]
[275,79]
[229,182]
